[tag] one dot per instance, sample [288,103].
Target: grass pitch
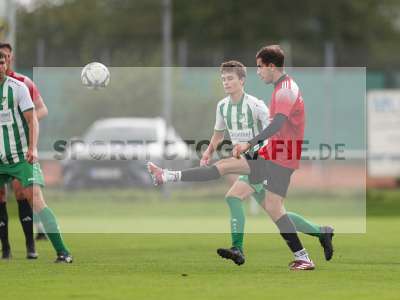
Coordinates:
[185,266]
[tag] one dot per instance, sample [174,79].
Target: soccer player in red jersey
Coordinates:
[275,162]
[24,209]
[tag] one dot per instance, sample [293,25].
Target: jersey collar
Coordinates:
[282,78]
[4,80]
[240,101]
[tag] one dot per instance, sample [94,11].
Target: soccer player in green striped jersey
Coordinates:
[19,132]
[26,217]
[244,116]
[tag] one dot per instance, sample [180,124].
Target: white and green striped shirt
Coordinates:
[241,119]
[14,131]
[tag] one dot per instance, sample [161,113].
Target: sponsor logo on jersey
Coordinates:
[242,118]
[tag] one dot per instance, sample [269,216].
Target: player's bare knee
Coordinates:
[241,193]
[232,166]
[30,193]
[234,195]
[38,202]
[221,168]
[36,192]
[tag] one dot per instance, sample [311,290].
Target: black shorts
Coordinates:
[275,178]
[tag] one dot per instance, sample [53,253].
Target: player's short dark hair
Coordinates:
[272,54]
[5,45]
[234,66]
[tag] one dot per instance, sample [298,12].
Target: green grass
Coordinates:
[150,266]
[188,210]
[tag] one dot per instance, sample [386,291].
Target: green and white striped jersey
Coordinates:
[14,131]
[241,119]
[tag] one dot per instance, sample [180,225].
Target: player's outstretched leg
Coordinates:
[161,176]
[50,224]
[220,168]
[5,243]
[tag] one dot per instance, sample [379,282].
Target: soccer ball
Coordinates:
[95,76]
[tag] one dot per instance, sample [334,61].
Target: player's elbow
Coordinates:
[42,112]
[45,111]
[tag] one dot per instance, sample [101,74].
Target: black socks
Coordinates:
[288,232]
[4,226]
[26,219]
[200,174]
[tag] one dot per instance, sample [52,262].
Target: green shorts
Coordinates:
[26,173]
[258,187]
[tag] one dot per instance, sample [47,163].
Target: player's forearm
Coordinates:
[270,130]
[216,139]
[33,125]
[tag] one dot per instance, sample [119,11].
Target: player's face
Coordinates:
[7,54]
[3,68]
[265,72]
[231,82]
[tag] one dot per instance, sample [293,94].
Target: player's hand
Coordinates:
[238,149]
[205,159]
[32,155]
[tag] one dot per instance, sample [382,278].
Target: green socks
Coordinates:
[303,225]
[237,221]
[52,229]
[36,219]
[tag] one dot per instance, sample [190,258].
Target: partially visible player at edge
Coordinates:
[243,116]
[25,211]
[41,112]
[278,158]
[19,156]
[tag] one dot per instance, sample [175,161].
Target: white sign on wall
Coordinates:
[384,133]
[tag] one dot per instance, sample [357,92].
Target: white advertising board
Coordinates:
[384,133]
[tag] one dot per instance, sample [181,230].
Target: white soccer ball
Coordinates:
[95,76]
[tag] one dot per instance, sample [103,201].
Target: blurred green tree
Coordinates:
[122,32]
